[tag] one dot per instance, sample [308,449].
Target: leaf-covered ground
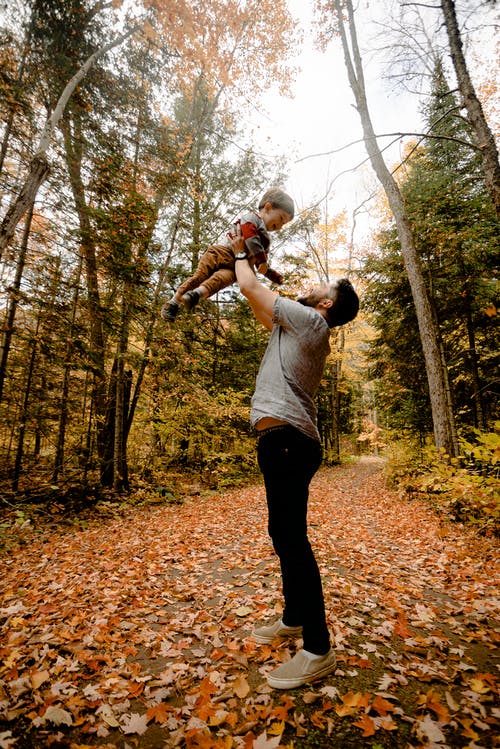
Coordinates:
[134,632]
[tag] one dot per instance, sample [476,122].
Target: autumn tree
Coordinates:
[483,135]
[117,161]
[453,221]
[344,24]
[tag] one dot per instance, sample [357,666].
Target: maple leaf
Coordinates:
[382,706]
[108,716]
[351,702]
[276,729]
[55,715]
[468,732]
[367,724]
[478,685]
[262,742]
[159,713]
[218,718]
[281,711]
[428,729]
[38,677]
[241,687]
[310,697]
[400,627]
[134,723]
[432,701]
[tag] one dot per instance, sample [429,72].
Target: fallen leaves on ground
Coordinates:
[136,631]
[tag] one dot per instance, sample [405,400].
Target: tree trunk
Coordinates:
[480,419]
[63,415]
[13,301]
[25,412]
[120,420]
[485,139]
[73,149]
[442,418]
[39,167]
[335,411]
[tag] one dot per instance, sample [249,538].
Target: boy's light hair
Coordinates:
[278,199]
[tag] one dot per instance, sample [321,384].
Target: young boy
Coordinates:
[215,270]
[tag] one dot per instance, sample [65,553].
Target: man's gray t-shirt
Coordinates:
[292,367]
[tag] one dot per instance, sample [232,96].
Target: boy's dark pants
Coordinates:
[288,460]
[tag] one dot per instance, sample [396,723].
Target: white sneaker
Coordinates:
[270,632]
[301,669]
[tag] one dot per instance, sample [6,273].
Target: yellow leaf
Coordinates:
[243,611]
[219,718]
[478,686]
[38,678]
[276,729]
[241,687]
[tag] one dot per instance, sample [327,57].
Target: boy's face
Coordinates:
[274,218]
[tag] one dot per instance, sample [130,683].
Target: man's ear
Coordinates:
[326,303]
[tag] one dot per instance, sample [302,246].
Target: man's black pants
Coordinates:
[288,460]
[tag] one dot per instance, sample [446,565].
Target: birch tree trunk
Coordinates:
[39,166]
[485,139]
[443,421]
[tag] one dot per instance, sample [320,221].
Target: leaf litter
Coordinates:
[135,631]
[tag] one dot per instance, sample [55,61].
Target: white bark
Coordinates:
[39,165]
[441,415]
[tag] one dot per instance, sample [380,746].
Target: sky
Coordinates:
[321,117]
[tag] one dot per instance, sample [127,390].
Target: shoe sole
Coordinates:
[298,682]
[263,640]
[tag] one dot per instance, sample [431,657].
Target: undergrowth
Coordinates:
[464,489]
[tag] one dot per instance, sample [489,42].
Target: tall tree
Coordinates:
[453,222]
[484,136]
[442,416]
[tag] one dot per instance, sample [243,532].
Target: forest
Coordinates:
[134,545]
[124,154]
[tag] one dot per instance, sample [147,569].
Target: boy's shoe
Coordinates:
[169,311]
[301,669]
[270,632]
[191,299]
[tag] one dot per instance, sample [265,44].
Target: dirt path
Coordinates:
[134,631]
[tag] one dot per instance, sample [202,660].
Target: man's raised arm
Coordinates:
[261,298]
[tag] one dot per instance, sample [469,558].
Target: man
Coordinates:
[289,452]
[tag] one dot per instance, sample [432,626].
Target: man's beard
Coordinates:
[309,300]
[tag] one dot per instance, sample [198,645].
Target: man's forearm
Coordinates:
[246,278]
[260,297]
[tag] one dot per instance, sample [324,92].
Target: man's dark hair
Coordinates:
[345,305]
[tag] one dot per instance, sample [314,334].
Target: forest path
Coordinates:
[134,631]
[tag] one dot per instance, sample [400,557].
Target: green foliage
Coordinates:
[464,489]
[456,236]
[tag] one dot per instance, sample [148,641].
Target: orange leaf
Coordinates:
[159,712]
[240,687]
[38,677]
[367,724]
[400,627]
[382,706]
